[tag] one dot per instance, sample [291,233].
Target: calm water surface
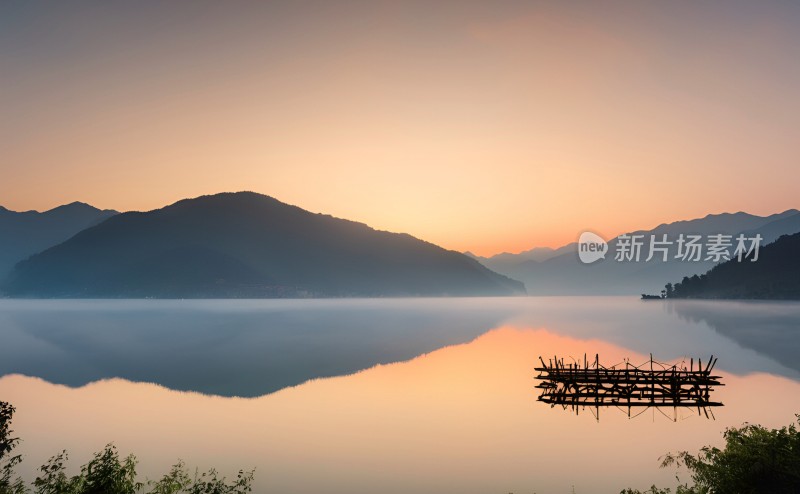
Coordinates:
[364,396]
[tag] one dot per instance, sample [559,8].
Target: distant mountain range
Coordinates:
[247,245]
[560,272]
[508,261]
[774,275]
[23,234]
[250,245]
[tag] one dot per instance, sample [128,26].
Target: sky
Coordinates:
[481,126]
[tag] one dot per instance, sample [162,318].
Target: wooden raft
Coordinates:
[579,385]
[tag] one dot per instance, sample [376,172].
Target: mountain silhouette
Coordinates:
[564,274]
[23,234]
[507,261]
[247,245]
[774,275]
[772,231]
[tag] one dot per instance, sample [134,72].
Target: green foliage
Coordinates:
[8,483]
[176,481]
[651,490]
[7,442]
[209,483]
[681,489]
[53,479]
[106,473]
[755,460]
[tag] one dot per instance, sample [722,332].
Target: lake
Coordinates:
[380,395]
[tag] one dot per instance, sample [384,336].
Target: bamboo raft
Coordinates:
[650,385]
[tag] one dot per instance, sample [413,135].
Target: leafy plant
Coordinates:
[8,483]
[176,481]
[106,473]
[209,483]
[53,479]
[754,460]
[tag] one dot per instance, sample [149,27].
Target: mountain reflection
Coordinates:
[769,328]
[226,348]
[250,348]
[462,419]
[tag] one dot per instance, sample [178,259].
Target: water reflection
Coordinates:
[770,328]
[227,348]
[462,419]
[253,348]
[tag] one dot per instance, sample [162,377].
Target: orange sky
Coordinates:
[478,127]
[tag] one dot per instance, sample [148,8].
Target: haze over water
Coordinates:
[393,395]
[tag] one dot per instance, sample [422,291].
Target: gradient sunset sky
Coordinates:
[483,126]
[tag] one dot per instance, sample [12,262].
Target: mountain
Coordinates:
[774,230]
[23,234]
[775,275]
[507,261]
[247,245]
[564,274]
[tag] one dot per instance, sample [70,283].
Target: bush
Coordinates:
[106,473]
[8,483]
[754,460]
